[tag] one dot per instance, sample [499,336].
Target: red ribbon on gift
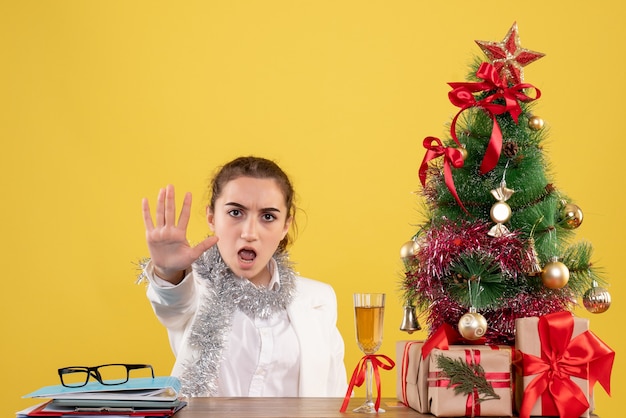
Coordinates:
[585,356]
[446,335]
[451,157]
[358,376]
[462,96]
[472,404]
[405,369]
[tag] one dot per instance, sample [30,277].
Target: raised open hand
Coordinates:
[167,241]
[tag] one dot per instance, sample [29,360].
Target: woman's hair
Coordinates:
[260,168]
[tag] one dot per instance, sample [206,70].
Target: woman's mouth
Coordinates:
[247,255]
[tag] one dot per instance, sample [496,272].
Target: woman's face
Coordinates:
[250,219]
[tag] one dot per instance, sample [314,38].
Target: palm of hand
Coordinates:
[167,242]
[169,248]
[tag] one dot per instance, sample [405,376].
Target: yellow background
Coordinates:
[103,102]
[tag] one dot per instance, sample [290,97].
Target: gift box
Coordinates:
[412,384]
[413,358]
[470,381]
[558,360]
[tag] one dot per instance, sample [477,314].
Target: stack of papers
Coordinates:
[141,397]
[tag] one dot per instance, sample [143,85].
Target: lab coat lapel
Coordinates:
[302,314]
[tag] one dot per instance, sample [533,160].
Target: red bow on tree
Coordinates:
[462,96]
[451,156]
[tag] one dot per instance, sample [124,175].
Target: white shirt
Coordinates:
[261,356]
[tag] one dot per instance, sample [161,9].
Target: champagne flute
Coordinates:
[369,309]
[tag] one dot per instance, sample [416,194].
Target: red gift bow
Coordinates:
[472,404]
[451,156]
[462,96]
[585,356]
[445,335]
[358,377]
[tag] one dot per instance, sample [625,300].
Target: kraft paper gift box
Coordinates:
[557,362]
[413,367]
[411,385]
[495,362]
[527,341]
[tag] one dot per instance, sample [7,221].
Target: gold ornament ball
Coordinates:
[555,275]
[409,249]
[472,326]
[571,216]
[597,300]
[500,212]
[535,123]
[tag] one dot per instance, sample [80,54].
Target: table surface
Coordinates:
[290,408]
[287,407]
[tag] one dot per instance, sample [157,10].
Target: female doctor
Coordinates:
[240,321]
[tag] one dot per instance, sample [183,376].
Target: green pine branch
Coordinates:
[476,281]
[577,258]
[464,378]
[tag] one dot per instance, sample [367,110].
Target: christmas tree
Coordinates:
[498,242]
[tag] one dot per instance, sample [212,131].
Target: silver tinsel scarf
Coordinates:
[222,292]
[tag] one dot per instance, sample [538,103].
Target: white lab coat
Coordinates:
[312,313]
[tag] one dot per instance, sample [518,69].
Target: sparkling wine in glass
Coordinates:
[369,309]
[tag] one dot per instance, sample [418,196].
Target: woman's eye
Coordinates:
[269,217]
[234,213]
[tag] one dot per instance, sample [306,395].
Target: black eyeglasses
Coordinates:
[105,374]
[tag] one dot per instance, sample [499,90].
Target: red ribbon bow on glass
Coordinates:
[562,357]
[358,377]
[451,157]
[462,96]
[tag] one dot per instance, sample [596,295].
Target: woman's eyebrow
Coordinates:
[240,206]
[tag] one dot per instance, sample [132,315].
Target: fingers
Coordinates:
[185,212]
[160,209]
[204,245]
[170,205]
[166,210]
[147,216]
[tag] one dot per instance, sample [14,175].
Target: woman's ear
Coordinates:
[287,225]
[210,219]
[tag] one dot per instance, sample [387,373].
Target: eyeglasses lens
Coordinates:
[113,374]
[75,377]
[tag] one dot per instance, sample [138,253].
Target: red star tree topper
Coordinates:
[508,57]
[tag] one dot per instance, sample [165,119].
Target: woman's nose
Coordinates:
[249,230]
